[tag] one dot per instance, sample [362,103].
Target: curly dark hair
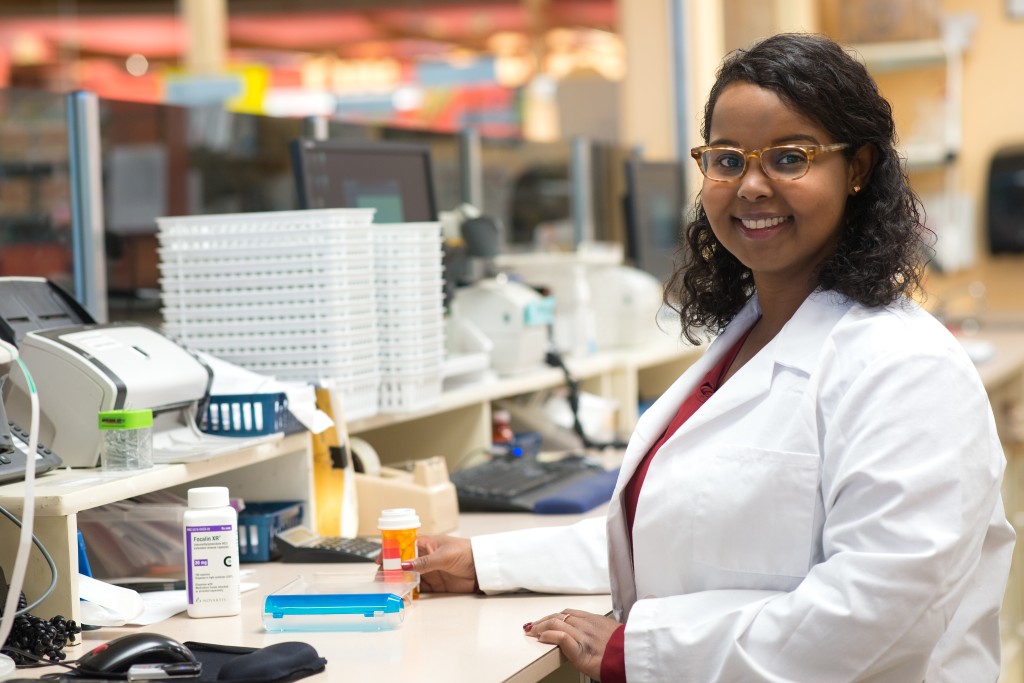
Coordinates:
[884,244]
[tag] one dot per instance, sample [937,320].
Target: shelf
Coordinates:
[541,379]
[894,56]
[256,473]
[460,424]
[926,157]
[282,470]
[67,491]
[31,168]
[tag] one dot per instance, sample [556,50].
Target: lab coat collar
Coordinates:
[798,345]
[799,342]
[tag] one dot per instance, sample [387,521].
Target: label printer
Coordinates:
[81,370]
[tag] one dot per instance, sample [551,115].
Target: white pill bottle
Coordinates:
[211,554]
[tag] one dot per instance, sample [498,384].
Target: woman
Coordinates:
[817,498]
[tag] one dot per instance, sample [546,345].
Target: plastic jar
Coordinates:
[127,439]
[398,528]
[211,554]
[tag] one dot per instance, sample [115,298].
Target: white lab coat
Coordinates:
[832,513]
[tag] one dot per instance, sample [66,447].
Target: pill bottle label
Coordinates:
[398,533]
[211,556]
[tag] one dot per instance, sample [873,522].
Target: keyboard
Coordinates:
[571,485]
[300,544]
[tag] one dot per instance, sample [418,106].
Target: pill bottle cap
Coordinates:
[125,419]
[208,497]
[398,518]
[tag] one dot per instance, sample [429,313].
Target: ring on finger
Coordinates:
[565,617]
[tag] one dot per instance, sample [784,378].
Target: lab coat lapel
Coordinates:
[654,421]
[798,345]
[649,428]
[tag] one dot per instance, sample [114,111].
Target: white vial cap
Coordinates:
[398,518]
[208,497]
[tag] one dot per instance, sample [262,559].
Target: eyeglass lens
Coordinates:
[778,163]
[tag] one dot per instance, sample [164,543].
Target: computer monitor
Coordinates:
[654,214]
[527,187]
[394,178]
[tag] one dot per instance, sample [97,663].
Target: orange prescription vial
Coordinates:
[398,527]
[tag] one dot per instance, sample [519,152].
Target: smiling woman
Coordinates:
[816,498]
[880,242]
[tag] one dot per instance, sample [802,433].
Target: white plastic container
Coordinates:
[211,554]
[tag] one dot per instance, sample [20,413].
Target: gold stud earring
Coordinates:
[856,189]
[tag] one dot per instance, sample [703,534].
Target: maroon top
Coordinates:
[613,663]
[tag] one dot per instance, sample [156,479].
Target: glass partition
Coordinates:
[35,190]
[608,177]
[165,160]
[527,186]
[161,160]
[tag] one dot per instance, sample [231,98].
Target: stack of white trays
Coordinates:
[410,314]
[287,293]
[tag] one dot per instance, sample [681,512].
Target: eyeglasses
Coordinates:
[783,162]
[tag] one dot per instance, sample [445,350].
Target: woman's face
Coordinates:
[780,229]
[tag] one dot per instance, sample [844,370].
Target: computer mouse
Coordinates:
[117,655]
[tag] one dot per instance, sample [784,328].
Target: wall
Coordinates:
[993,101]
[993,104]
[647,110]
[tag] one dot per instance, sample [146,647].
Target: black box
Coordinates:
[1005,201]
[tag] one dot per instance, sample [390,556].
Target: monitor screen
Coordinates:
[390,177]
[527,187]
[654,214]
[445,160]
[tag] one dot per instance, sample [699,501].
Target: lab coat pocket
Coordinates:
[754,511]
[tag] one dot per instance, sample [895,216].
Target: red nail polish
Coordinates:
[407,566]
[527,626]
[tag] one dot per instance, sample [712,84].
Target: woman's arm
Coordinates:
[567,559]
[564,559]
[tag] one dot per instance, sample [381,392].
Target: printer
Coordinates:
[513,316]
[81,370]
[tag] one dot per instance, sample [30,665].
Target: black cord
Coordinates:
[34,640]
[49,562]
[554,359]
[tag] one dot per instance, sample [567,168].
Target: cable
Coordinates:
[46,556]
[29,510]
[43,661]
[554,359]
[26,637]
[493,451]
[35,641]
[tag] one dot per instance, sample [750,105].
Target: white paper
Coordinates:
[104,604]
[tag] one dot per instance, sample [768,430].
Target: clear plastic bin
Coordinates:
[134,538]
[340,602]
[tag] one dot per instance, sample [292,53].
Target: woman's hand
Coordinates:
[581,636]
[445,564]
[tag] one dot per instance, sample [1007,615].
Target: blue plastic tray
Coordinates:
[247,415]
[258,526]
